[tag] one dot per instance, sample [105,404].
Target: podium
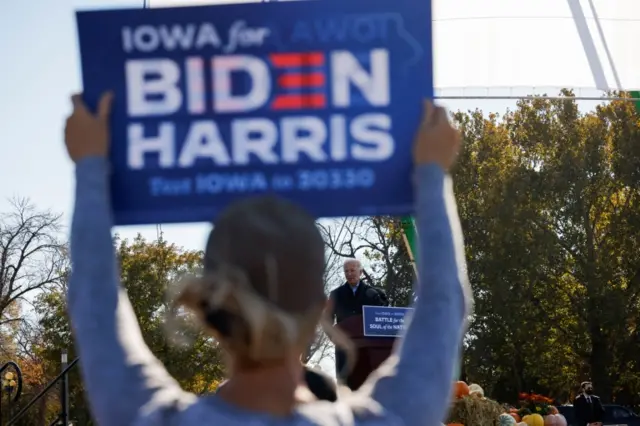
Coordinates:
[370,351]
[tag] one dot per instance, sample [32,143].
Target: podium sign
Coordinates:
[317,101]
[383,321]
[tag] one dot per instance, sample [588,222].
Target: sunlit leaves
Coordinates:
[149,270]
[549,198]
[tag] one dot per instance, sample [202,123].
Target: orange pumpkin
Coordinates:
[460,389]
[516,417]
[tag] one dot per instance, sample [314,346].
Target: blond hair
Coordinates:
[261,294]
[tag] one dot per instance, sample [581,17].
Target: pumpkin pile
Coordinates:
[461,389]
[471,408]
[536,410]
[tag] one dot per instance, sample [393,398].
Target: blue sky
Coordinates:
[40,69]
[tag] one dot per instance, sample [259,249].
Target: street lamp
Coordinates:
[9,382]
[9,385]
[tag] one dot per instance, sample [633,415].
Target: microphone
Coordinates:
[383,297]
[380,295]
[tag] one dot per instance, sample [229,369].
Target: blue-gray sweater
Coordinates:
[127,385]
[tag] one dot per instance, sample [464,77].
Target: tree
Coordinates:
[32,259]
[549,201]
[148,270]
[32,256]
[19,348]
[379,239]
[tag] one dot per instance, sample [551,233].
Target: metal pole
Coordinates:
[635,96]
[409,238]
[532,97]
[64,391]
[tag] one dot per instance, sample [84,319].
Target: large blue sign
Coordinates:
[383,321]
[317,101]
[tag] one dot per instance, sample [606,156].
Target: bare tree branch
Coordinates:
[32,256]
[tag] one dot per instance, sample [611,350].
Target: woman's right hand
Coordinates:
[437,141]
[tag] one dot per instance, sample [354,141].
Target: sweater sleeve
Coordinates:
[121,374]
[415,383]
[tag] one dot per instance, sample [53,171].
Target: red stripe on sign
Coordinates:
[287,60]
[317,100]
[289,81]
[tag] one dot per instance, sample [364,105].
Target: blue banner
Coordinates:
[317,101]
[383,321]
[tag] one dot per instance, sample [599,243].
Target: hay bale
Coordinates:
[473,411]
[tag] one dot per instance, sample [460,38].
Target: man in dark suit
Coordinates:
[587,407]
[348,300]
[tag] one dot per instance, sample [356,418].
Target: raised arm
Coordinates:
[415,383]
[121,375]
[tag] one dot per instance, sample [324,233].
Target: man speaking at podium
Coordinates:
[348,300]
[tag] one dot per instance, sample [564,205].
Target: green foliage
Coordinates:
[148,270]
[549,201]
[550,204]
[392,268]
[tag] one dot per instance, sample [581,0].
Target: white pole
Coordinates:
[531,97]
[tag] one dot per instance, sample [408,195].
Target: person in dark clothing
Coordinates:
[321,385]
[347,301]
[587,407]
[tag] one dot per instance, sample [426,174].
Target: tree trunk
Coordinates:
[600,362]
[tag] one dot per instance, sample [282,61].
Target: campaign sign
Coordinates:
[383,321]
[316,101]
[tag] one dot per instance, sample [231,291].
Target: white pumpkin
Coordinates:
[476,390]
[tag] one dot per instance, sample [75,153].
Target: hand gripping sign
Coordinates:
[317,101]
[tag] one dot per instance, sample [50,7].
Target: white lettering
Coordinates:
[338,138]
[242,36]
[303,135]
[374,142]
[374,86]
[155,86]
[140,87]
[364,138]
[127,39]
[245,141]
[208,37]
[195,85]
[224,100]
[138,145]
[203,141]
[148,38]
[177,36]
